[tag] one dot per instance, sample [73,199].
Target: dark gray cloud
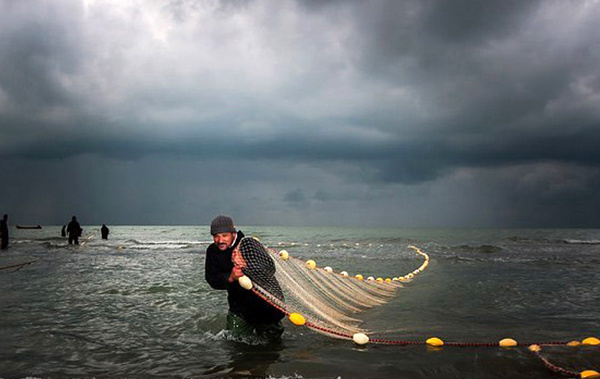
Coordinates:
[331,112]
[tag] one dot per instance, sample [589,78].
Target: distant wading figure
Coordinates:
[104,231]
[63,231]
[74,231]
[4,232]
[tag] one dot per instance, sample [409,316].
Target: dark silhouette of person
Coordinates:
[4,232]
[74,231]
[63,231]
[104,230]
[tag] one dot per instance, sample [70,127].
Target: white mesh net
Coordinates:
[329,302]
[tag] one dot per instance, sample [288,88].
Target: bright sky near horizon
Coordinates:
[414,113]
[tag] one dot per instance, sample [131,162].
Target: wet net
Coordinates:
[330,303]
[325,301]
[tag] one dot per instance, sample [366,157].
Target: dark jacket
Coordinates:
[243,303]
[74,229]
[3,228]
[4,233]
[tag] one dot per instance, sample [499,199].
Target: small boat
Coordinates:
[29,227]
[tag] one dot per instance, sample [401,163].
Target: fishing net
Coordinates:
[330,303]
[319,298]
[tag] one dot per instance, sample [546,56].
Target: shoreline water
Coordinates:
[136,305]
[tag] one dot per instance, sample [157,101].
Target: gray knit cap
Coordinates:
[222,224]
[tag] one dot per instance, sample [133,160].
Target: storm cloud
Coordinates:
[412,113]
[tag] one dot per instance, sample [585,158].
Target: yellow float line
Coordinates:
[312,265]
[434,342]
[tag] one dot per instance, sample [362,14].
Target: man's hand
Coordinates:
[236,273]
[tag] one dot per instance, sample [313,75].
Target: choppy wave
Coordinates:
[161,245]
[533,240]
[137,305]
[582,242]
[481,249]
[550,241]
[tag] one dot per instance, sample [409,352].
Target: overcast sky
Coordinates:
[418,113]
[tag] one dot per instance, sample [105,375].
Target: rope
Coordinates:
[19,265]
[534,347]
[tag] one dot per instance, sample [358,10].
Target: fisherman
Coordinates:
[247,315]
[4,232]
[74,231]
[104,231]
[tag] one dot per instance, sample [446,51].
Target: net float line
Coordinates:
[328,301]
[432,341]
[585,374]
[311,264]
[338,321]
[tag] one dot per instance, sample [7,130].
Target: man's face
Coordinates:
[224,240]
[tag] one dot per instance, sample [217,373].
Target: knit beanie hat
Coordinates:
[222,224]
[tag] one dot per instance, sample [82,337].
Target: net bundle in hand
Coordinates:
[325,301]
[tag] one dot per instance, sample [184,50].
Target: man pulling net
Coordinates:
[228,258]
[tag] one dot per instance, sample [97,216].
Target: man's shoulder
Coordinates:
[212,248]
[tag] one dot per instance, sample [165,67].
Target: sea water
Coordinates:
[137,305]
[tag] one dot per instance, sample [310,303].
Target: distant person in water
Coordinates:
[63,231]
[4,231]
[74,231]
[104,231]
